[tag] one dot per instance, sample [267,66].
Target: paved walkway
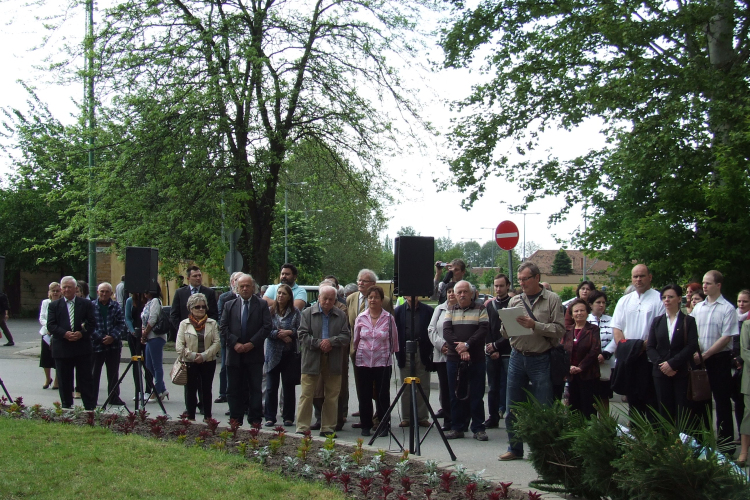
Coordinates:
[19,369]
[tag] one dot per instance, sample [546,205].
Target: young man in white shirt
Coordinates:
[717,324]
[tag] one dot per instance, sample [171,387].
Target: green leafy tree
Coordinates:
[407,231]
[562,263]
[212,95]
[668,81]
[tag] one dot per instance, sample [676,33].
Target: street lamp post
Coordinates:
[524,230]
[286,219]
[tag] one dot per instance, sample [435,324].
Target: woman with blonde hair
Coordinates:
[198,344]
[46,362]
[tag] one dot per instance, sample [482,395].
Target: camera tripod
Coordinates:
[137,361]
[10,399]
[415,388]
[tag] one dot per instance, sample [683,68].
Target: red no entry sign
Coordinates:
[506,235]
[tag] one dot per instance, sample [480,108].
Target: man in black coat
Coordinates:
[423,359]
[245,325]
[71,343]
[497,351]
[179,309]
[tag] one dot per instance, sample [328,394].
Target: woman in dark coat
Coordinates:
[672,341]
[584,345]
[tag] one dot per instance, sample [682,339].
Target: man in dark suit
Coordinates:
[179,309]
[70,322]
[230,294]
[245,325]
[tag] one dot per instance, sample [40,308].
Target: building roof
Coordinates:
[544,259]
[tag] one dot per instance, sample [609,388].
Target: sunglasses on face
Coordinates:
[203,308]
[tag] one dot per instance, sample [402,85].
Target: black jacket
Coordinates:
[424,315]
[179,310]
[58,323]
[501,344]
[677,353]
[632,372]
[258,329]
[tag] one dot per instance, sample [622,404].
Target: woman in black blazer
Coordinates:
[672,341]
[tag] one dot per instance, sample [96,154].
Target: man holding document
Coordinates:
[539,328]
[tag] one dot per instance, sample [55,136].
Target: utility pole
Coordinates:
[524,231]
[88,79]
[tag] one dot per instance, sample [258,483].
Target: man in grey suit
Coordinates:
[245,325]
[70,322]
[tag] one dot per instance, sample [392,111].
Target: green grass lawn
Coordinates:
[57,461]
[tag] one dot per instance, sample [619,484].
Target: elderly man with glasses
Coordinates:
[530,354]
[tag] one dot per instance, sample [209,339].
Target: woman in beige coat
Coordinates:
[197,345]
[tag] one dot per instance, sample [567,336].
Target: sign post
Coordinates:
[506,237]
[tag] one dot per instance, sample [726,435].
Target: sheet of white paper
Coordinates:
[47,339]
[508,316]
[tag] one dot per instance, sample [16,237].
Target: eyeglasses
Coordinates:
[365,281]
[524,280]
[203,308]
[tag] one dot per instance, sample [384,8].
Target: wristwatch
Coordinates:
[466,344]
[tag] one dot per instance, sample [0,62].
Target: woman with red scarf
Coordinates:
[197,345]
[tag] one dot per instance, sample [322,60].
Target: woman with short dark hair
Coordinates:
[583,343]
[672,342]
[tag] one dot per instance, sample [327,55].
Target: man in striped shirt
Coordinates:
[717,324]
[465,333]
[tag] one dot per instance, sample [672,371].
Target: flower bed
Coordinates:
[358,472]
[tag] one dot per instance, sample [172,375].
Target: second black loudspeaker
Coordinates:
[413,271]
[141,269]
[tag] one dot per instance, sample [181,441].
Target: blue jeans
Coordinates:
[154,359]
[523,370]
[477,374]
[497,379]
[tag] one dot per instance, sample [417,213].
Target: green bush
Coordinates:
[657,464]
[596,444]
[597,458]
[548,431]
[567,293]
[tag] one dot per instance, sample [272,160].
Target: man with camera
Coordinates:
[456,272]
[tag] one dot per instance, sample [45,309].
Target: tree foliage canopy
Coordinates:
[205,104]
[668,81]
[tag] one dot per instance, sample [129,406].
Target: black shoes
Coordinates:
[9,344]
[220,399]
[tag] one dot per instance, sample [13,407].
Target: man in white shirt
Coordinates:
[632,320]
[717,324]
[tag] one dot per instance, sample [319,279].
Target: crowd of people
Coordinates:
[273,340]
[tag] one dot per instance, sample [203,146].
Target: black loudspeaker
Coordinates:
[141,269]
[413,271]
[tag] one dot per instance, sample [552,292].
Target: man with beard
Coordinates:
[288,277]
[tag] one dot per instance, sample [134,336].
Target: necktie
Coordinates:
[361,302]
[71,313]
[193,291]
[245,315]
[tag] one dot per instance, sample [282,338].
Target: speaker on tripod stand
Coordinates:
[413,277]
